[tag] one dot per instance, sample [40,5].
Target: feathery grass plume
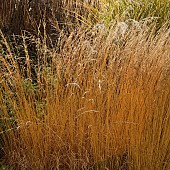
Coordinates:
[97,104]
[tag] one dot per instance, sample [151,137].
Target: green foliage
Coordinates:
[3,167]
[122,10]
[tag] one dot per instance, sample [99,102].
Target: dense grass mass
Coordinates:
[85,85]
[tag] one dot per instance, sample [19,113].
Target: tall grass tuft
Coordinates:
[97,102]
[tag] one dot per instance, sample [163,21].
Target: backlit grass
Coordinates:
[95,103]
[85,84]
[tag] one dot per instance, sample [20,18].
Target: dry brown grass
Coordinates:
[100,103]
[16,16]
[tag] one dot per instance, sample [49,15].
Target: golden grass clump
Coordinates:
[95,102]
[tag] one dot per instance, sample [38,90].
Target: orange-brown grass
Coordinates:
[100,104]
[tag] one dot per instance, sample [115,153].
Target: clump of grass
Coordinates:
[140,10]
[96,102]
